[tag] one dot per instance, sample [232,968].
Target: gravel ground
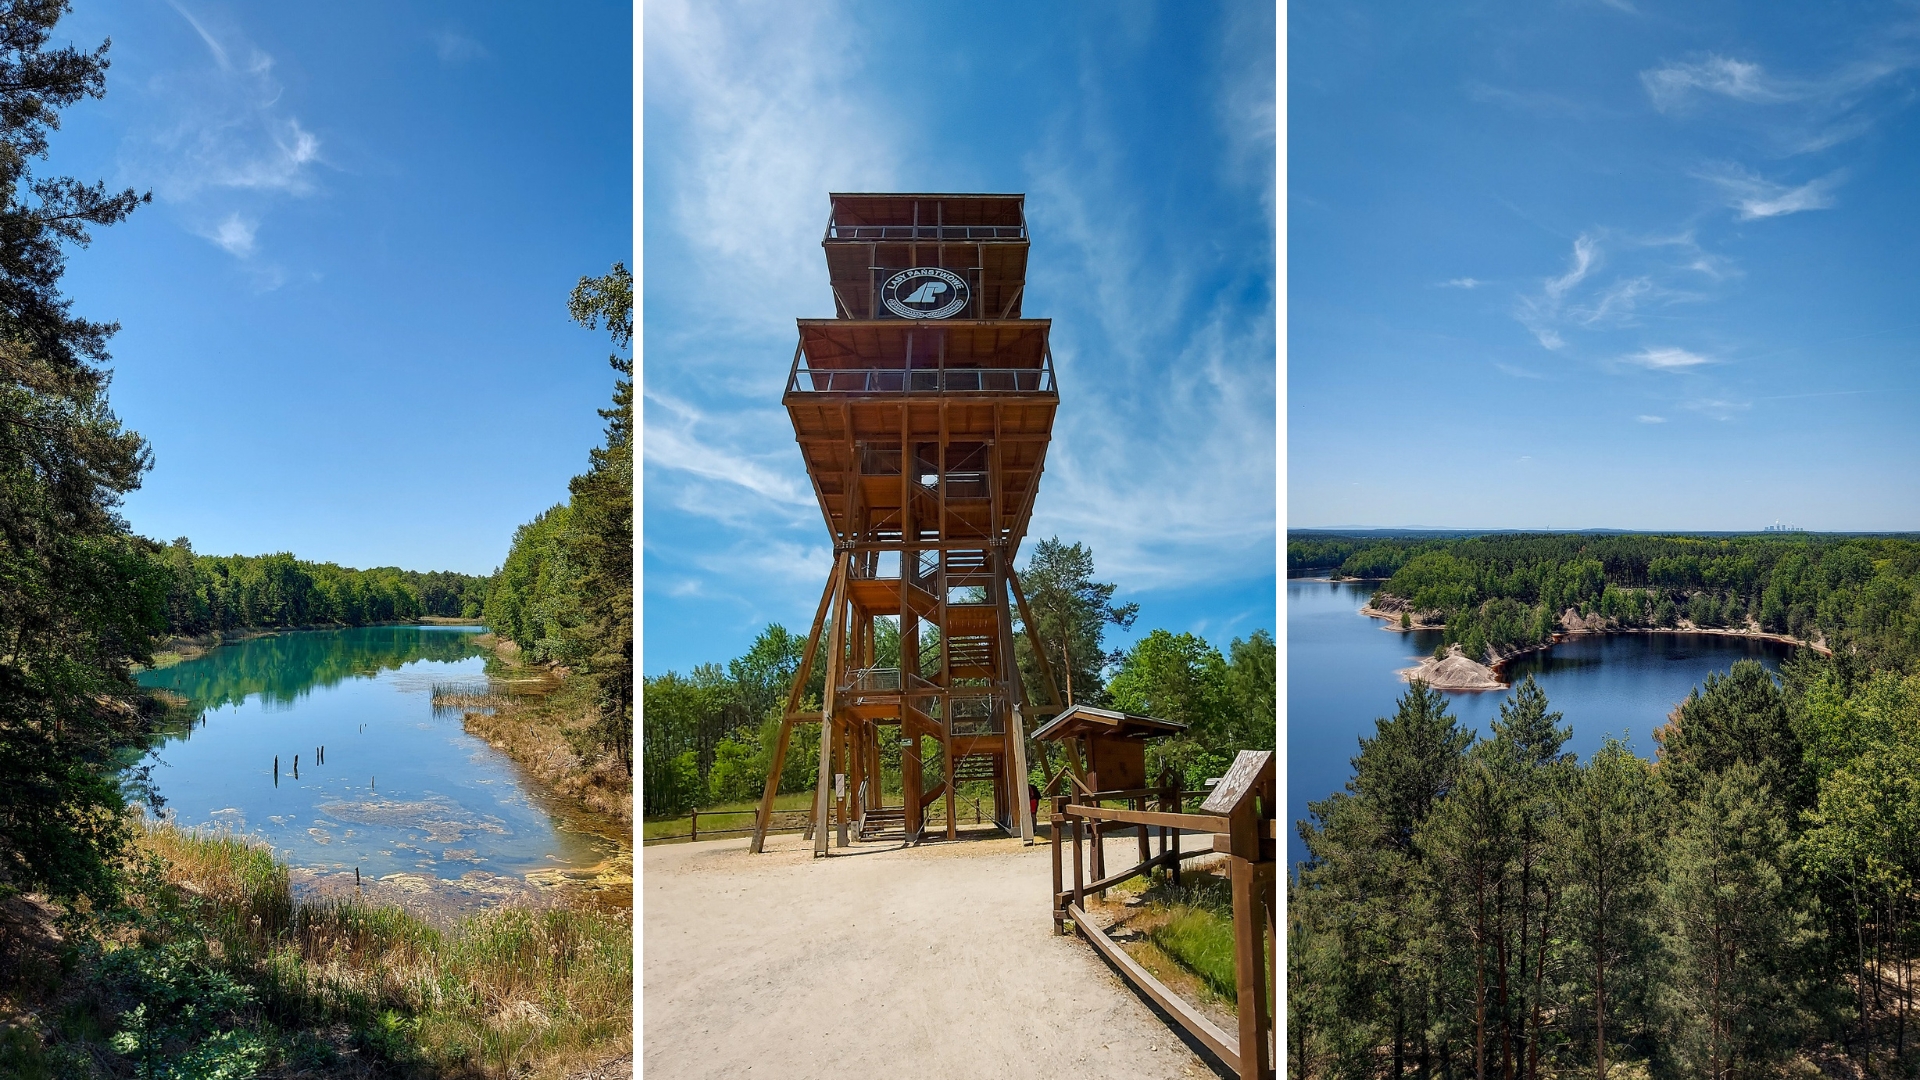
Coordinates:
[939,961]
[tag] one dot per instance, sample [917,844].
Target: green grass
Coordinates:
[1193,923]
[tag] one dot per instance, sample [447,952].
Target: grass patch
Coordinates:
[213,969]
[1192,925]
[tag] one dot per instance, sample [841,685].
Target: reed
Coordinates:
[499,993]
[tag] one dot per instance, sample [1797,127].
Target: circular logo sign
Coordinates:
[925,292]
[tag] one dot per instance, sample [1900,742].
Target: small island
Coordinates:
[1454,671]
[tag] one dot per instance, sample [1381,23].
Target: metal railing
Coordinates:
[872,679]
[921,381]
[926,232]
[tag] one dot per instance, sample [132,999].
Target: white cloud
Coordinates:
[1718,408]
[1582,301]
[768,103]
[1462,283]
[1794,115]
[1585,252]
[223,147]
[235,234]
[1666,358]
[1615,302]
[1647,419]
[672,442]
[1756,197]
[1675,85]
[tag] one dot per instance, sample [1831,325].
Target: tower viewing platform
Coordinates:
[923,413]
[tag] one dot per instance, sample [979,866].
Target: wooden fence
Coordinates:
[1240,818]
[804,825]
[805,821]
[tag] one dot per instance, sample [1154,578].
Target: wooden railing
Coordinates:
[1239,817]
[954,380]
[925,232]
[694,832]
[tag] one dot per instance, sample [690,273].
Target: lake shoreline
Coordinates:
[183,647]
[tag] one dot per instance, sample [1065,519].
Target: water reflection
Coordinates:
[327,744]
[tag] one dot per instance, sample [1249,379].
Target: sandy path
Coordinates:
[934,962]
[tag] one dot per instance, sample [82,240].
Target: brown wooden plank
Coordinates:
[1240,781]
[1221,1043]
[1192,822]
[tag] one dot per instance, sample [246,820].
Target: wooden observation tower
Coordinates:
[923,412]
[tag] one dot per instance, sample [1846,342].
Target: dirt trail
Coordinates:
[938,961]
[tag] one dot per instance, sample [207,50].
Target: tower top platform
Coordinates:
[981,238]
[869,216]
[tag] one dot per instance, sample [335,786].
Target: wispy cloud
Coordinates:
[1755,197]
[226,146]
[1666,358]
[1646,418]
[1582,300]
[673,442]
[1585,252]
[768,102]
[1718,408]
[235,234]
[1795,115]
[1516,372]
[1677,85]
[1462,283]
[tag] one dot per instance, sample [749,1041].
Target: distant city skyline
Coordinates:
[1587,265]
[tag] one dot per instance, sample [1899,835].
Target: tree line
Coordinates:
[1743,903]
[708,735]
[220,594]
[1860,594]
[564,595]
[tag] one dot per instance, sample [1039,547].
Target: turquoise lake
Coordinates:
[402,788]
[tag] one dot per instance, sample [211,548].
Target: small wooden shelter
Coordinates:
[1112,744]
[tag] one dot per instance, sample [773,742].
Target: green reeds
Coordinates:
[497,991]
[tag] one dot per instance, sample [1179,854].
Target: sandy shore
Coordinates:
[1456,672]
[934,961]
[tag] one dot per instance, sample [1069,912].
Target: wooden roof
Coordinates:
[935,208]
[1086,720]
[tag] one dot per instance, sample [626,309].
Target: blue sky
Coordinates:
[1603,264]
[344,314]
[1143,137]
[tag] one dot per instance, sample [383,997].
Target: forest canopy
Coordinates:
[708,734]
[1859,595]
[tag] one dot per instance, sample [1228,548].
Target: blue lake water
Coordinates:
[1342,675]
[403,787]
